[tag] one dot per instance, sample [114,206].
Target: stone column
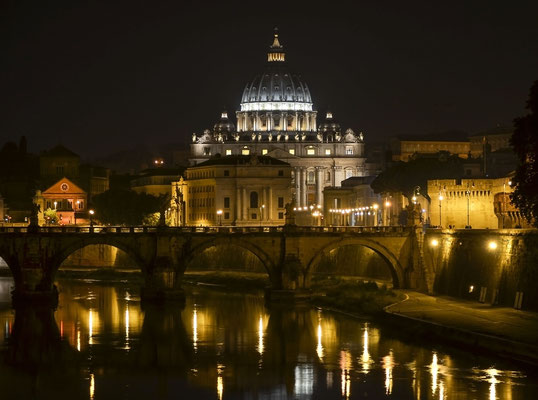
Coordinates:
[270,201]
[303,186]
[269,122]
[283,121]
[319,185]
[298,186]
[245,209]
[296,121]
[238,213]
[264,202]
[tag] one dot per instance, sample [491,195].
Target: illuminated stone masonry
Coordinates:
[277,118]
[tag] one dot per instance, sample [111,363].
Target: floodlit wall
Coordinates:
[482,265]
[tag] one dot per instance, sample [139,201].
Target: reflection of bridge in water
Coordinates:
[288,254]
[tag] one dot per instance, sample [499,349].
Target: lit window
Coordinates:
[349,150]
[245,152]
[228,152]
[207,151]
[264,152]
[292,151]
[327,152]
[311,152]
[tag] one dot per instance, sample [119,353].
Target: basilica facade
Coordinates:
[277,118]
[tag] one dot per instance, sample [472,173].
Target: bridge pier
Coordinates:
[289,286]
[163,281]
[32,272]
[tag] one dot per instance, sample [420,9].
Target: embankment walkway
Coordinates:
[509,332]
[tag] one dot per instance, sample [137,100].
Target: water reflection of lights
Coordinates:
[434,369]
[304,380]
[78,338]
[195,329]
[319,348]
[365,356]
[92,387]
[220,383]
[90,327]
[492,373]
[127,326]
[329,379]
[345,366]
[388,365]
[260,335]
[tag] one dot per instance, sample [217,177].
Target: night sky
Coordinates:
[102,76]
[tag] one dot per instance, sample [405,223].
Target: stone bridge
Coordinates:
[289,254]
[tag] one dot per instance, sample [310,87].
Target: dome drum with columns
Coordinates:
[277,118]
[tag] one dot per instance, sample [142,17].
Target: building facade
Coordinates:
[236,190]
[156,181]
[67,199]
[404,148]
[354,204]
[482,203]
[277,119]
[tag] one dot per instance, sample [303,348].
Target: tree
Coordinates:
[125,207]
[50,216]
[525,143]
[406,176]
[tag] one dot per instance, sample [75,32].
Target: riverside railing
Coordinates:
[202,229]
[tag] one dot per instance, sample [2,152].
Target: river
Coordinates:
[101,343]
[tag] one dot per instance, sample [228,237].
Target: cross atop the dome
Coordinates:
[276,53]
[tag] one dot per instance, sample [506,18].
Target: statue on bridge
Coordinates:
[290,213]
[34,216]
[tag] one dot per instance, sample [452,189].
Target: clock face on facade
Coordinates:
[64,187]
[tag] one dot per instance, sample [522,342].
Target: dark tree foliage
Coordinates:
[525,142]
[125,207]
[406,176]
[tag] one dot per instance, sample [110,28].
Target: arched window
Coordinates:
[253,199]
[311,177]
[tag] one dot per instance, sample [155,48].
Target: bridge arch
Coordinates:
[78,244]
[392,261]
[244,244]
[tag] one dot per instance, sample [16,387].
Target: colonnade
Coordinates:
[243,210]
[253,121]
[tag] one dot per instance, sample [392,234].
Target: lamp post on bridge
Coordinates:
[219,216]
[262,208]
[441,198]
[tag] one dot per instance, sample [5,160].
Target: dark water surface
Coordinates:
[101,344]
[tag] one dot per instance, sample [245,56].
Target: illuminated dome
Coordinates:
[276,89]
[276,100]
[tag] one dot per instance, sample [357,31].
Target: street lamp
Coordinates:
[75,212]
[219,215]
[91,217]
[261,213]
[441,198]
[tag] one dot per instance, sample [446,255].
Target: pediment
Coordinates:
[64,186]
[280,153]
